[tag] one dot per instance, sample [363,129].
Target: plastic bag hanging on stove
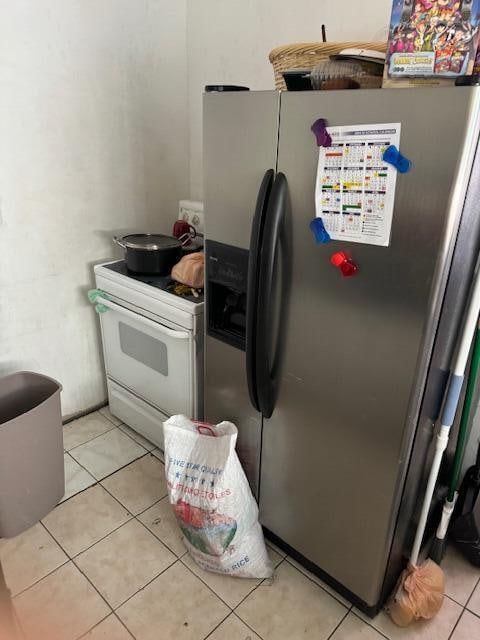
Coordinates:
[190,270]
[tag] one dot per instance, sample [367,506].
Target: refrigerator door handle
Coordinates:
[256,238]
[268,363]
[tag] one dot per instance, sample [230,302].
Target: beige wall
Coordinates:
[229,42]
[93,115]
[100,128]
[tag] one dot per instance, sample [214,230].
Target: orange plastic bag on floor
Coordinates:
[418,594]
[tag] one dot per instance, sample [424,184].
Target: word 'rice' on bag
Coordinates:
[212,500]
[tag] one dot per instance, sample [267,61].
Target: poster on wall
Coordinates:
[355,188]
[433,38]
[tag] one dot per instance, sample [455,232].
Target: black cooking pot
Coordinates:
[151,253]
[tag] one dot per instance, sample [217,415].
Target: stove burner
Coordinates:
[165,283]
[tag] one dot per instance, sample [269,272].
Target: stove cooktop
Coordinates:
[165,283]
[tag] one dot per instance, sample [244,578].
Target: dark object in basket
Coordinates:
[465,530]
[297,80]
[335,84]
[468,81]
[210,88]
[373,62]
[342,74]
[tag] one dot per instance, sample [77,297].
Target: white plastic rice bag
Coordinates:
[211,498]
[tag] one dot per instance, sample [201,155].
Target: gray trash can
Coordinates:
[32,478]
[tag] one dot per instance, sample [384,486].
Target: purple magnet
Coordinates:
[320,233]
[393,156]
[319,128]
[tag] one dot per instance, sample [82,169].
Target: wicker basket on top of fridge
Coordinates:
[307,56]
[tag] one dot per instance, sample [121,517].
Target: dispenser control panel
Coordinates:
[226,292]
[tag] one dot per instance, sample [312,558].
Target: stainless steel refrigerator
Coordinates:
[335,383]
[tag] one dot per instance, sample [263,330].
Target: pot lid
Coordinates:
[150,241]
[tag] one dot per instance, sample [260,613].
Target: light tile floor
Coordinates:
[109,563]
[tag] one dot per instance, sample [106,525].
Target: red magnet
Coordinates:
[343,262]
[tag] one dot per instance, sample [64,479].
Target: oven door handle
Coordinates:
[172,333]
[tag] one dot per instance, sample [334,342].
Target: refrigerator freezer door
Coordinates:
[336,448]
[240,145]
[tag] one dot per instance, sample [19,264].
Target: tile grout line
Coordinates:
[91,439]
[258,585]
[146,585]
[43,577]
[95,481]
[141,588]
[99,436]
[338,625]
[477,615]
[110,474]
[85,576]
[208,586]
[71,557]
[150,507]
[456,624]
[477,586]
[369,621]
[112,610]
[124,625]
[119,468]
[132,515]
[235,612]
[464,606]
[75,557]
[94,626]
[157,538]
[102,538]
[106,417]
[122,424]
[246,624]
[135,516]
[369,624]
[120,503]
[98,481]
[349,607]
[230,612]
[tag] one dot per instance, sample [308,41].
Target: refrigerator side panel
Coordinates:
[240,145]
[335,450]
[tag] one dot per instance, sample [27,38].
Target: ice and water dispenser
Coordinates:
[226,281]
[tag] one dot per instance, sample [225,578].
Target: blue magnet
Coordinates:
[393,156]
[320,233]
[319,128]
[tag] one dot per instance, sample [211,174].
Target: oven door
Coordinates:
[152,360]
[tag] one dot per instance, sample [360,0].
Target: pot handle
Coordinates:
[119,241]
[185,239]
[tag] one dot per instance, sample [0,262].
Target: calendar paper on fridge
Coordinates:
[355,190]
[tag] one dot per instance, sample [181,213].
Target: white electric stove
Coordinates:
[153,349]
